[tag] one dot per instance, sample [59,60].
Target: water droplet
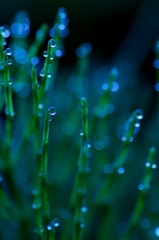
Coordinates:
[137,124]
[49,227]
[50,119]
[84,209]
[87,144]
[9,61]
[56,222]
[147,164]
[42,73]
[51,56]
[81,132]
[52,43]
[49,75]
[10,82]
[8,51]
[121,170]
[139,114]
[52,111]
[45,53]
[154,166]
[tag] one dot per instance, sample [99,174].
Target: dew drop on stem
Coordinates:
[139,114]
[52,111]
[52,43]
[8,52]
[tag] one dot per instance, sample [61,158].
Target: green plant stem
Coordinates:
[45,199]
[47,62]
[80,183]
[118,162]
[37,188]
[140,203]
[39,39]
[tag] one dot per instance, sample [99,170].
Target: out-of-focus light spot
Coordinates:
[34,60]
[83,50]
[99,145]
[21,55]
[144,223]
[123,138]
[140,187]
[157,231]
[21,26]
[52,32]
[114,87]
[63,33]
[156,64]
[60,52]
[22,89]
[105,86]
[61,26]
[65,214]
[109,108]
[157,87]
[121,170]
[17,87]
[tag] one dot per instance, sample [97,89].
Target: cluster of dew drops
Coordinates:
[52,44]
[52,112]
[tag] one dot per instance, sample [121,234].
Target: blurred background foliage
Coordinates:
[122,34]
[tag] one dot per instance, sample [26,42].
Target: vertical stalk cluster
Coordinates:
[143,190]
[81,177]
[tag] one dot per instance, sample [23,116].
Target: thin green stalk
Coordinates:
[52,235]
[81,177]
[8,130]
[37,187]
[41,35]
[119,161]
[143,188]
[47,63]
[44,190]
[105,98]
